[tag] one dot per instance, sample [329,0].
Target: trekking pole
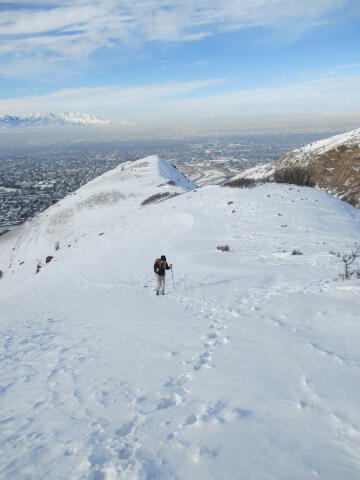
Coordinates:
[172,276]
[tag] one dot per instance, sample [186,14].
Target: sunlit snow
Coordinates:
[248,368]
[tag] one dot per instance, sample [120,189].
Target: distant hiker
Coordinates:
[160,267]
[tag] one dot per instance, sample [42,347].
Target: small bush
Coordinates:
[1,274]
[296,252]
[223,248]
[240,183]
[348,259]
[154,198]
[49,258]
[158,197]
[170,182]
[57,245]
[295,176]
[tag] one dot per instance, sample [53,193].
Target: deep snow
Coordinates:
[249,367]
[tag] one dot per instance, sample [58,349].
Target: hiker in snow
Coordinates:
[160,266]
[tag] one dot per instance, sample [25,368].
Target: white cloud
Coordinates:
[331,94]
[66,30]
[188,101]
[113,101]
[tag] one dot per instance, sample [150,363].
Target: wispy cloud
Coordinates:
[112,101]
[331,72]
[62,30]
[198,100]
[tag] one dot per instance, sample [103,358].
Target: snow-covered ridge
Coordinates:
[42,119]
[92,208]
[247,368]
[322,146]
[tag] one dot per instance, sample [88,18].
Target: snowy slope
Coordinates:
[96,207]
[247,369]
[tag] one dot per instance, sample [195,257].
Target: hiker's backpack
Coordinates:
[157,264]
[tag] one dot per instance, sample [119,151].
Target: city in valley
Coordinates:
[34,175]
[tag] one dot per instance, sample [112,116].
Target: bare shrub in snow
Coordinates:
[170,182]
[240,183]
[57,245]
[1,274]
[49,258]
[103,198]
[348,259]
[223,248]
[296,252]
[156,197]
[296,176]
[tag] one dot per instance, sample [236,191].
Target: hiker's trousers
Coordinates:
[160,284]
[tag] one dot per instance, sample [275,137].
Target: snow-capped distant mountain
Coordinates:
[42,119]
[332,164]
[247,368]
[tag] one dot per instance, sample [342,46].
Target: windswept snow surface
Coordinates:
[249,367]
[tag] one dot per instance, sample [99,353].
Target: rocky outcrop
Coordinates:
[337,171]
[333,165]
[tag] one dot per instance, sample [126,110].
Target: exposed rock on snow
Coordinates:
[332,165]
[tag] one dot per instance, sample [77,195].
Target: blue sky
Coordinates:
[137,61]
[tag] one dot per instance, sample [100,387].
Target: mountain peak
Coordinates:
[98,205]
[44,119]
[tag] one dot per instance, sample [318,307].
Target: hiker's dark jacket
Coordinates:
[160,267]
